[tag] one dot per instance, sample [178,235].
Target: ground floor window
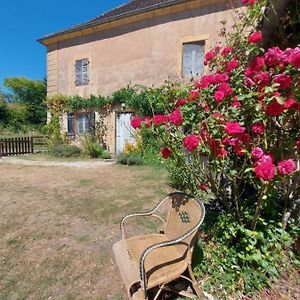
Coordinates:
[80,123]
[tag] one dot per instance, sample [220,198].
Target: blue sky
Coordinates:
[22,22]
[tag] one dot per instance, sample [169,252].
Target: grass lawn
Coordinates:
[58,226]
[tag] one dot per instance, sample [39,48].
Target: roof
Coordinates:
[128,9]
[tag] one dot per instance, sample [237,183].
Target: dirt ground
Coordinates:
[58,225]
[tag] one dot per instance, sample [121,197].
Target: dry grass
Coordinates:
[58,226]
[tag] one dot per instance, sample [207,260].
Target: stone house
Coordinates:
[143,42]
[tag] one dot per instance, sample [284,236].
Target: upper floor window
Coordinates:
[82,71]
[193,58]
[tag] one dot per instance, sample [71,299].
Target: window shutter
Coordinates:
[78,72]
[85,71]
[193,59]
[82,71]
[71,129]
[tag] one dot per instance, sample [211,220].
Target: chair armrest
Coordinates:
[143,214]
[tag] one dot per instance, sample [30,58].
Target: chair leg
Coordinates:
[195,284]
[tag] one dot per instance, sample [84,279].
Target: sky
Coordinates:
[22,22]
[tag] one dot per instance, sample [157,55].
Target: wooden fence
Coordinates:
[21,145]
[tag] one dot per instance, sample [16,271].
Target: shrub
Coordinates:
[105,155]
[236,137]
[130,159]
[65,150]
[91,148]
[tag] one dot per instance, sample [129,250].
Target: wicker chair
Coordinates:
[154,260]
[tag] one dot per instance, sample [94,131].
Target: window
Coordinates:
[82,72]
[80,123]
[71,124]
[193,58]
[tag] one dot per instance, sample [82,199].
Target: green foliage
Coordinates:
[240,261]
[130,159]
[4,112]
[105,155]
[32,94]
[53,132]
[91,148]
[64,150]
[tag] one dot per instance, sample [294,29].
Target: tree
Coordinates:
[4,112]
[31,94]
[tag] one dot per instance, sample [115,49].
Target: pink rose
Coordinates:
[235,104]
[226,51]
[294,58]
[248,2]
[191,142]
[258,128]
[284,81]
[219,96]
[136,122]
[194,94]
[286,167]
[166,153]
[231,65]
[255,37]
[203,187]
[291,104]
[257,153]
[175,117]
[273,56]
[160,119]
[181,102]
[225,88]
[265,170]
[234,128]
[209,56]
[274,109]
[262,79]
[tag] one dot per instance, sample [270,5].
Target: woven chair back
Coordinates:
[184,215]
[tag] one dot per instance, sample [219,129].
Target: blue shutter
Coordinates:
[193,59]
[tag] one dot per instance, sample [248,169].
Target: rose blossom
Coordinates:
[284,81]
[209,56]
[262,79]
[235,104]
[226,51]
[294,58]
[265,170]
[257,153]
[298,144]
[165,152]
[160,119]
[175,117]
[286,167]
[181,102]
[258,128]
[190,142]
[231,65]
[194,94]
[255,37]
[219,96]
[136,122]
[291,104]
[248,2]
[274,109]
[225,88]
[273,57]
[203,187]
[234,128]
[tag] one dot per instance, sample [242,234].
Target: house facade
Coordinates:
[144,42]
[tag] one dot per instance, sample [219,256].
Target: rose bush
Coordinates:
[237,133]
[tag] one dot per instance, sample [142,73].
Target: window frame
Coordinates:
[76,115]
